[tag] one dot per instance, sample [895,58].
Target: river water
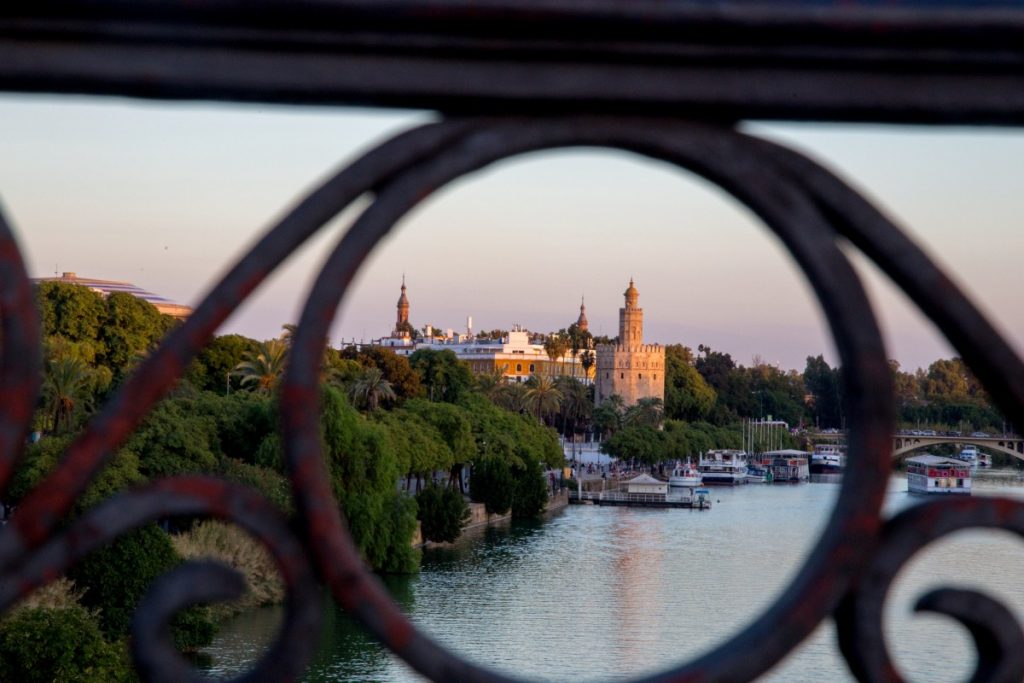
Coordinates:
[608,593]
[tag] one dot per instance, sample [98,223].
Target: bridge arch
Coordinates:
[903,444]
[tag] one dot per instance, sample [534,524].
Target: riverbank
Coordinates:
[480,520]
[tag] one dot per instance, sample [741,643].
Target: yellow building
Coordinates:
[516,355]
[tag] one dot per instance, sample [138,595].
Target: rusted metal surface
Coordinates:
[563,74]
[996,632]
[947,62]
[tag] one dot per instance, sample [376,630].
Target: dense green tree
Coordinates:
[176,437]
[73,312]
[364,469]
[779,394]
[130,327]
[492,484]
[214,366]
[643,443]
[687,395]
[116,577]
[822,382]
[41,458]
[947,381]
[396,369]
[609,415]
[442,374]
[442,513]
[530,491]
[43,645]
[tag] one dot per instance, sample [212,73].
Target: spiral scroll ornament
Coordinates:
[809,209]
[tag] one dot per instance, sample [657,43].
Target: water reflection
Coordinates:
[610,593]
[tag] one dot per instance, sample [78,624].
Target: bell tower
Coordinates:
[631,319]
[402,326]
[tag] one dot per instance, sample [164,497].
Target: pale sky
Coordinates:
[167,195]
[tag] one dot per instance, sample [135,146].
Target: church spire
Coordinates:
[581,322]
[402,327]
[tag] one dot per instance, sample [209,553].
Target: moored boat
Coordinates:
[685,476]
[790,469]
[969,454]
[936,474]
[758,474]
[828,458]
[723,467]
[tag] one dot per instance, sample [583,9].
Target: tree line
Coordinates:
[398,434]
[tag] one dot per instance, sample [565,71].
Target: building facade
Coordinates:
[517,356]
[630,368]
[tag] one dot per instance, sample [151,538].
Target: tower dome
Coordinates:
[581,322]
[402,326]
[631,294]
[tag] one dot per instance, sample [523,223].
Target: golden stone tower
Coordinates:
[630,368]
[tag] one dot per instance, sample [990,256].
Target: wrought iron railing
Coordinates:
[665,80]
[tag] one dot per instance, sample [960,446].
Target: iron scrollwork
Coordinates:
[806,206]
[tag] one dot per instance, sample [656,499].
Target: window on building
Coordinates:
[622,375]
[519,368]
[531,368]
[607,375]
[655,378]
[640,375]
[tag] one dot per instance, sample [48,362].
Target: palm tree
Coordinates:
[576,404]
[491,383]
[608,415]
[65,386]
[371,389]
[263,365]
[587,360]
[510,396]
[647,412]
[556,346]
[542,396]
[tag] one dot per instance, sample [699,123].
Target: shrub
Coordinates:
[115,578]
[59,594]
[273,486]
[530,491]
[234,547]
[442,513]
[492,485]
[44,645]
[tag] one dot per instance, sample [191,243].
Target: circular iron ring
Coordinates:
[730,160]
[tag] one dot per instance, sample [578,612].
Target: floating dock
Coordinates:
[641,500]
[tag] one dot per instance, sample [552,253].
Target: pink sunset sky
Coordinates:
[167,195]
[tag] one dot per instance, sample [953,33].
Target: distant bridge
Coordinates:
[905,443]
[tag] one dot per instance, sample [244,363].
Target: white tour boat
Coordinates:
[723,467]
[685,476]
[828,458]
[936,474]
[969,454]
